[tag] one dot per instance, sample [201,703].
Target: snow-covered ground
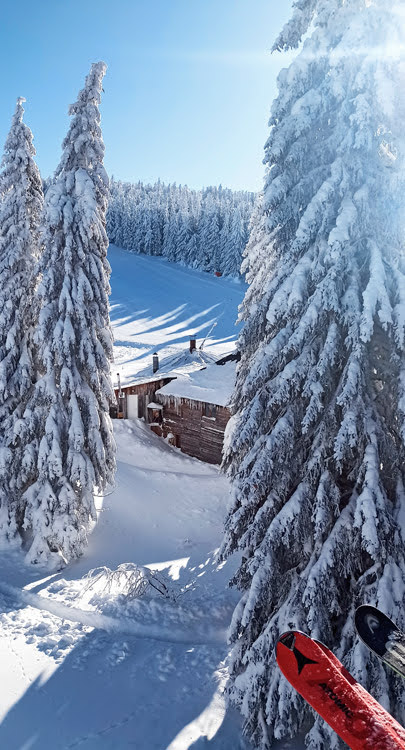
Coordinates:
[152,677]
[82,668]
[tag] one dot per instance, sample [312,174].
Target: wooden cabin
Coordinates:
[187,406]
[196,427]
[195,411]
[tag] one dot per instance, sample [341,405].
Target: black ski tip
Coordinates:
[287,639]
[374,627]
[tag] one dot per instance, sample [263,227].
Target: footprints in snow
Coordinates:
[43,630]
[57,639]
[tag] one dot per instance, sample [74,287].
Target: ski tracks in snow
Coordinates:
[184,661]
[123,625]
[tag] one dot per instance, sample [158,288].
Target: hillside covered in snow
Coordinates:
[157,306]
[205,229]
[84,665]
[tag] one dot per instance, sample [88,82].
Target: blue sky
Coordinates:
[188,87]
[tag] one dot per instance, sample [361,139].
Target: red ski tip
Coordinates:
[317,674]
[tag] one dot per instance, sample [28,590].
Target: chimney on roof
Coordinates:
[155,362]
[193,344]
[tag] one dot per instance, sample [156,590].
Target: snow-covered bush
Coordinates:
[129,581]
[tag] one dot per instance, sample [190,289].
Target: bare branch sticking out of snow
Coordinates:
[129,581]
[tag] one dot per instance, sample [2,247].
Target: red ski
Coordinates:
[317,674]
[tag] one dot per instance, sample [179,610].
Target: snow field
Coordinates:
[150,673]
[158,306]
[94,672]
[159,658]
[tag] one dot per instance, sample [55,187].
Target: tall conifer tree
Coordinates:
[21,204]
[315,448]
[67,431]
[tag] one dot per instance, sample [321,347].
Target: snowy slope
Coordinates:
[70,685]
[158,306]
[82,669]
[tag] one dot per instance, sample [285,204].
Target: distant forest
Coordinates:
[205,229]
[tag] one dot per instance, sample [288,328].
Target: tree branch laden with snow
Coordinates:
[66,429]
[315,448]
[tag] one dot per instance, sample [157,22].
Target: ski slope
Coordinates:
[158,306]
[85,669]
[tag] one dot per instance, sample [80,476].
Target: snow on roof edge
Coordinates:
[213,385]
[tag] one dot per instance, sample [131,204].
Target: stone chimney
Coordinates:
[155,362]
[193,344]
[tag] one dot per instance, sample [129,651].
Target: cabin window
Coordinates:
[210,410]
[155,413]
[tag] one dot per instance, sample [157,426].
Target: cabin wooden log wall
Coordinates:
[145,392]
[195,433]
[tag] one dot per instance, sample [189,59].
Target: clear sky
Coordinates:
[187,92]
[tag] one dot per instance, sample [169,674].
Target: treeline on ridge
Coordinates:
[204,229]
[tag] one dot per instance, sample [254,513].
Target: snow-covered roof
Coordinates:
[186,361]
[214,385]
[152,405]
[172,366]
[145,379]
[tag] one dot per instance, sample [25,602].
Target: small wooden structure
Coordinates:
[195,411]
[135,398]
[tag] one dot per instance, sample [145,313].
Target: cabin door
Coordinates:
[132,406]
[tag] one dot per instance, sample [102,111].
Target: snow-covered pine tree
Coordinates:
[112,214]
[66,427]
[183,236]
[224,251]
[315,448]
[147,226]
[21,204]
[171,233]
[191,254]
[209,235]
[235,245]
[162,219]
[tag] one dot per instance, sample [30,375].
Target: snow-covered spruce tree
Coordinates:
[163,219]
[72,439]
[315,447]
[21,205]
[209,235]
[235,245]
